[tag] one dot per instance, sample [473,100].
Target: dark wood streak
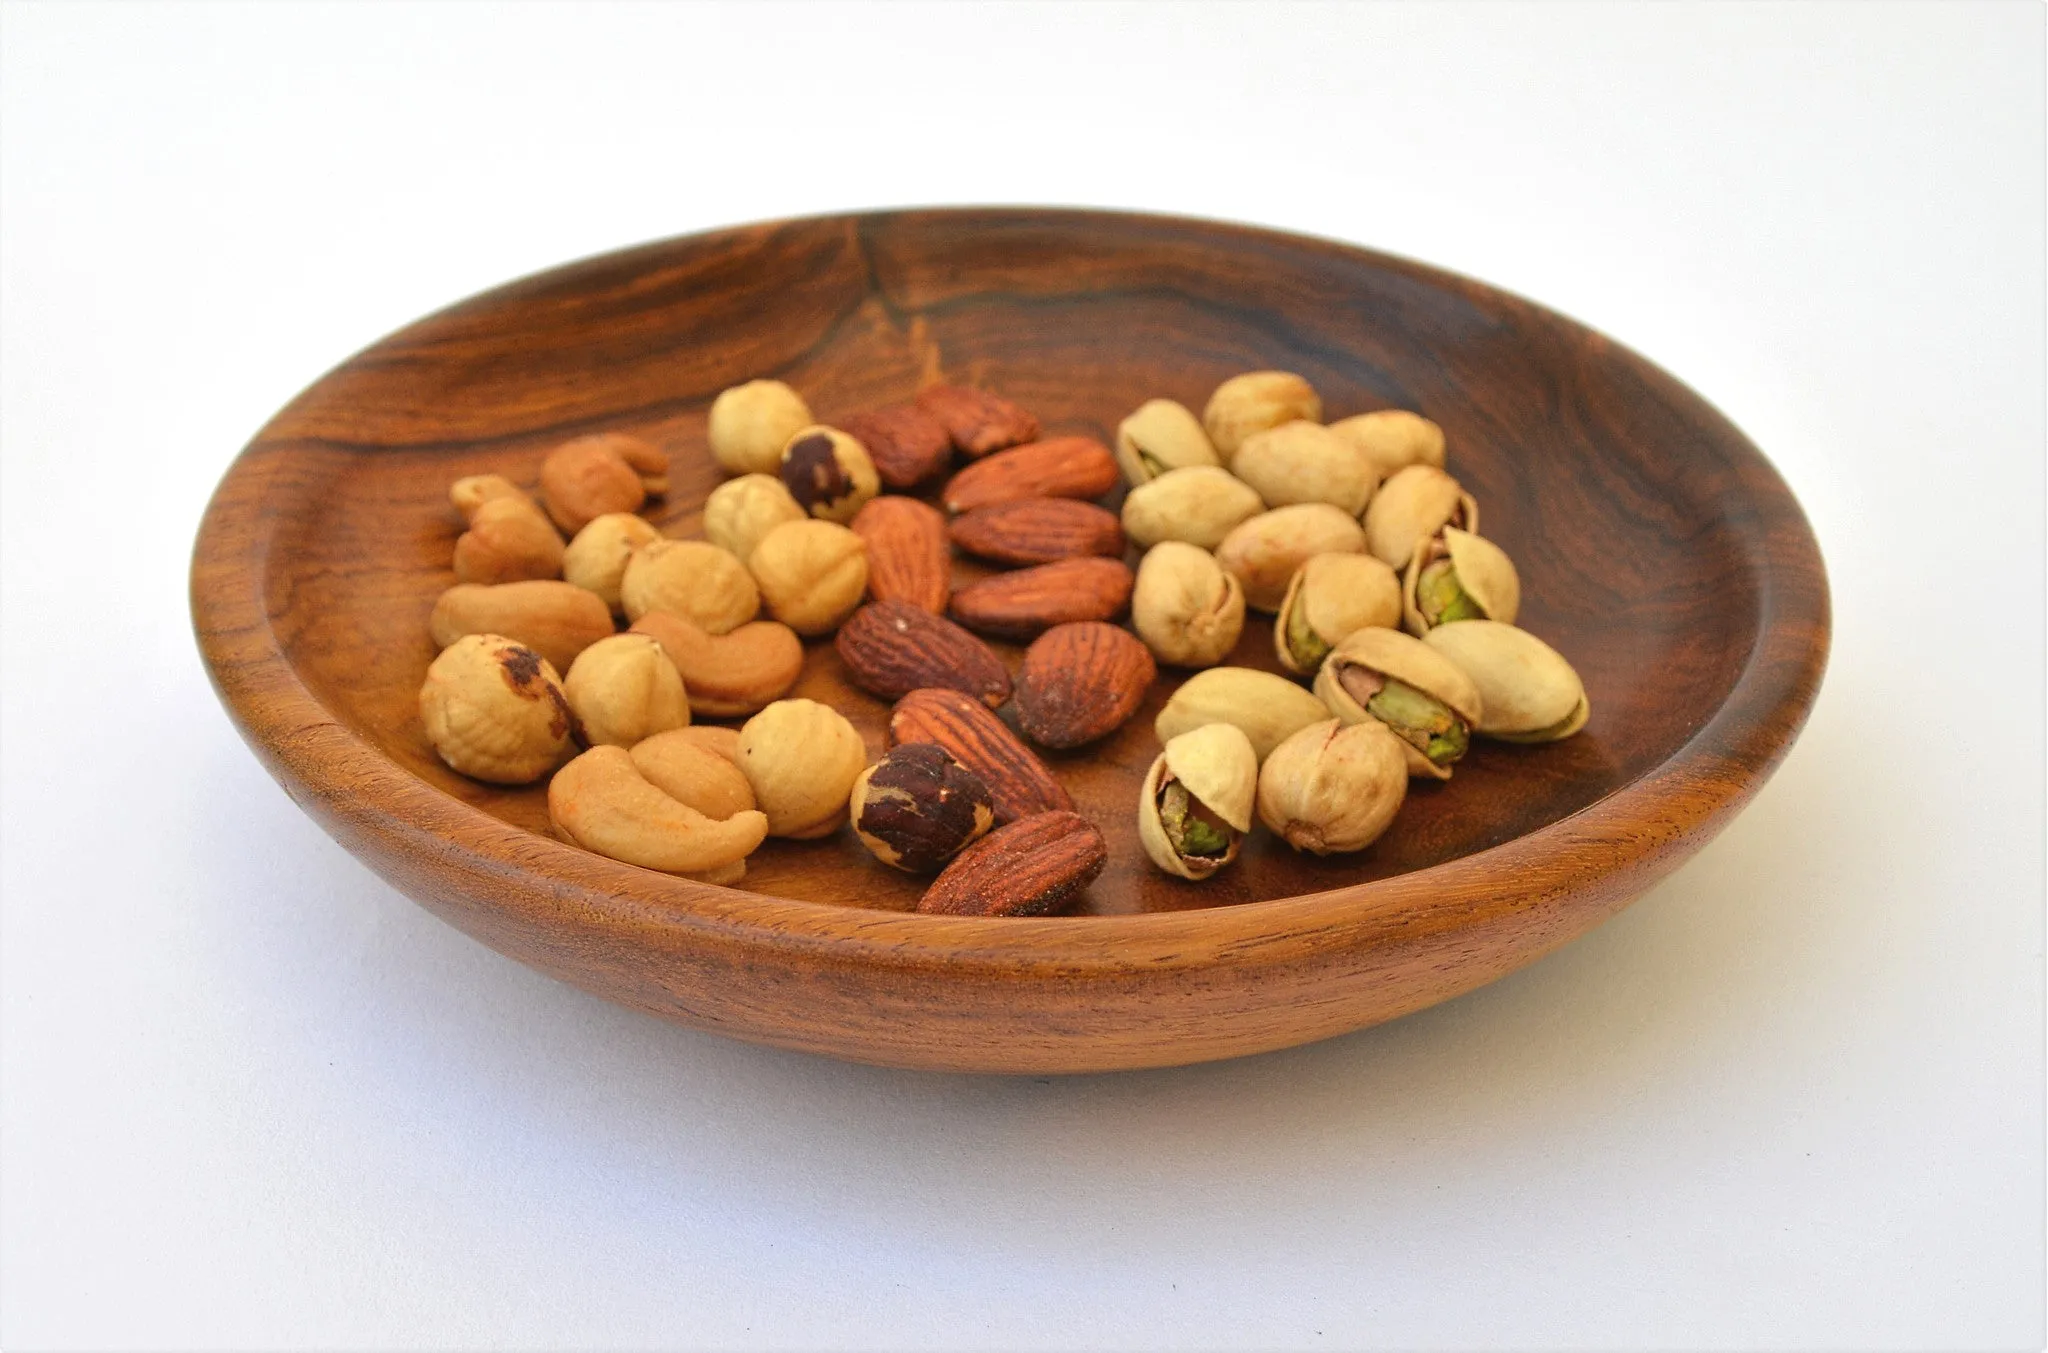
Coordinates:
[1659,552]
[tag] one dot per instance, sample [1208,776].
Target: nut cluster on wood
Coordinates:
[1393,623]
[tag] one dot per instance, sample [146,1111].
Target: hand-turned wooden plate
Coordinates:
[1659,551]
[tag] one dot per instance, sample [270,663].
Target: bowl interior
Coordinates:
[1589,469]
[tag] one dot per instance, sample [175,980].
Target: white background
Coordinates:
[254,1098]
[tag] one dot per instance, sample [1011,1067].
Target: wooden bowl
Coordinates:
[1659,552]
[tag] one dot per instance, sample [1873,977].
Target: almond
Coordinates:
[1081,682]
[1026,603]
[976,421]
[1039,531]
[907,445]
[892,648]
[907,555]
[1035,866]
[1058,467]
[1019,784]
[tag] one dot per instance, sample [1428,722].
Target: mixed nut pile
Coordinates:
[1352,535]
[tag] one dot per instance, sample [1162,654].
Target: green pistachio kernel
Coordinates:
[1186,832]
[1304,645]
[1441,598]
[1421,720]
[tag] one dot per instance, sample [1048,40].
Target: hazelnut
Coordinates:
[802,758]
[917,808]
[740,511]
[812,574]
[701,583]
[828,473]
[495,710]
[624,689]
[596,559]
[751,423]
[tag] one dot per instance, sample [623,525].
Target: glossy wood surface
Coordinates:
[1658,551]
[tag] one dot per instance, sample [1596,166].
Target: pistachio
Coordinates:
[828,473]
[1265,707]
[741,511]
[1413,505]
[802,758]
[1161,436]
[495,711]
[1265,551]
[812,574]
[751,423]
[1396,679]
[1455,575]
[1253,402]
[1393,439]
[1333,787]
[602,802]
[1185,607]
[1331,597]
[1196,804]
[1303,462]
[682,764]
[624,689]
[1198,504]
[596,559]
[917,808]
[693,579]
[1529,693]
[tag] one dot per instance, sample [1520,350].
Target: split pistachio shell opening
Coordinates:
[1265,707]
[1197,505]
[1333,787]
[1332,597]
[1196,804]
[1457,576]
[1421,695]
[1529,692]
[1302,462]
[1412,506]
[1161,436]
[1393,439]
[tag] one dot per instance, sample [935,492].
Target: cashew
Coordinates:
[585,478]
[728,674]
[712,738]
[603,803]
[509,540]
[558,620]
[690,772]
[472,491]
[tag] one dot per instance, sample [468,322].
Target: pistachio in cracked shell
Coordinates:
[741,511]
[1159,436]
[1393,439]
[1413,505]
[801,758]
[1302,462]
[1265,707]
[1265,551]
[1454,576]
[751,423]
[1197,505]
[1424,698]
[829,473]
[1253,402]
[1333,787]
[917,808]
[1196,803]
[1528,692]
[1185,607]
[495,710]
[1332,597]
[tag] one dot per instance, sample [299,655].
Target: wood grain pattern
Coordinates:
[1658,549]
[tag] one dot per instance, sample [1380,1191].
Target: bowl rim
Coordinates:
[356,791]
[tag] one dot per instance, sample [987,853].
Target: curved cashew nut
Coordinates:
[601,802]
[740,672]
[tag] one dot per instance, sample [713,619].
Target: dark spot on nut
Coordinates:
[919,807]
[812,472]
[521,666]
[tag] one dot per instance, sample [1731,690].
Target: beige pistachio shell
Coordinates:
[1406,659]
[1266,707]
[1333,787]
[1302,462]
[1198,505]
[1265,551]
[1393,439]
[1484,571]
[1253,402]
[1185,607]
[1529,692]
[1411,506]
[1161,436]
[1219,770]
[1332,597]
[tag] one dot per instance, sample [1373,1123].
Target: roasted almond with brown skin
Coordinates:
[1058,467]
[1019,784]
[1082,682]
[976,421]
[907,445]
[908,559]
[1034,867]
[1039,531]
[1024,604]
[892,648]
